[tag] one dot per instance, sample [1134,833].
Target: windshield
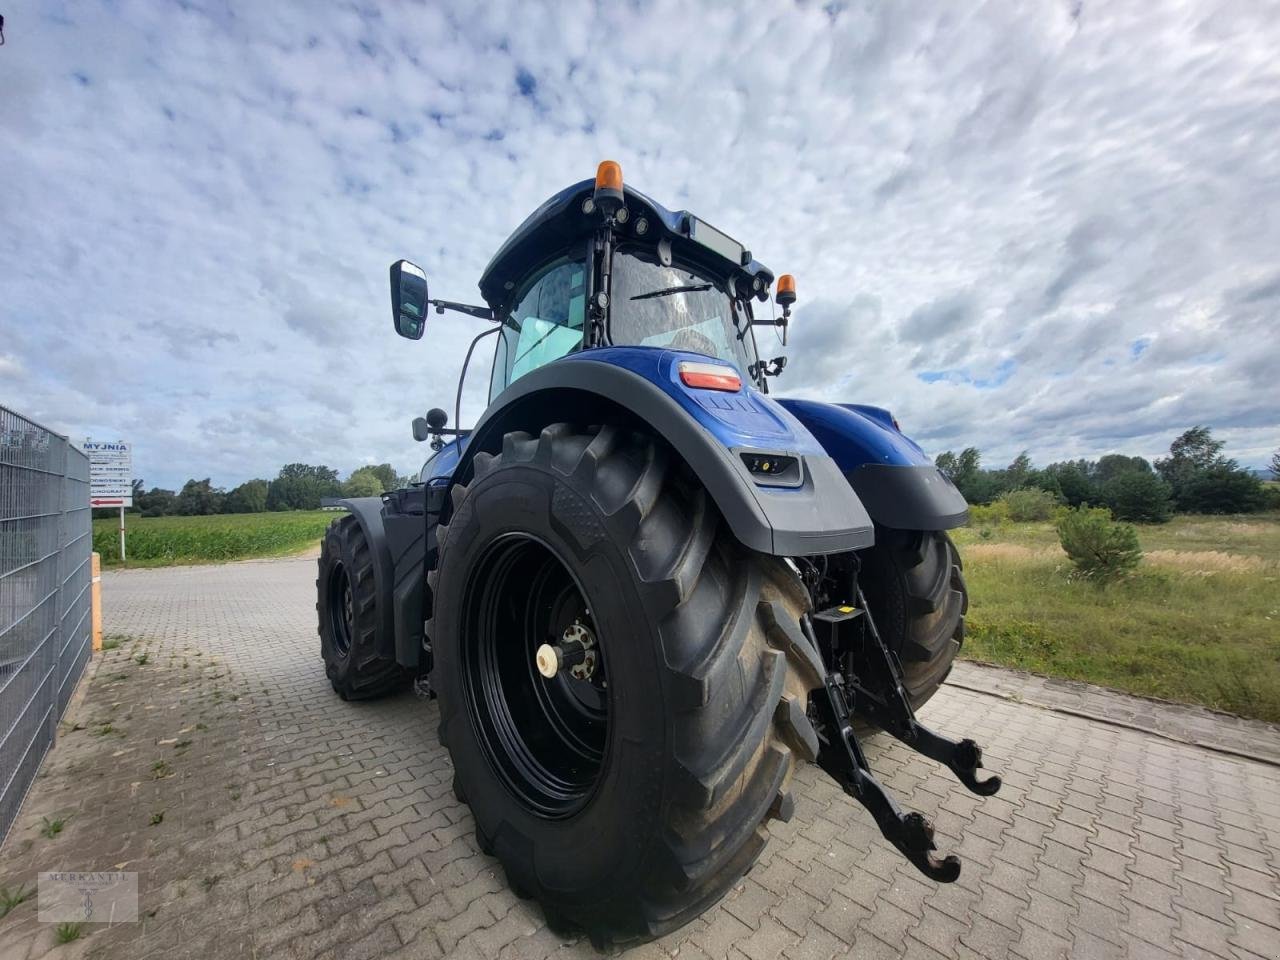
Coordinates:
[657,306]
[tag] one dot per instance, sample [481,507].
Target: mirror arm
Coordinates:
[783,321]
[483,313]
[462,378]
[437,444]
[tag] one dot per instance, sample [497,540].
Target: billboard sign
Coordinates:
[110,473]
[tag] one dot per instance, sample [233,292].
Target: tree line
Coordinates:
[298,486]
[1194,478]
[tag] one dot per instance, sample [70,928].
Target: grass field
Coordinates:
[1199,621]
[160,541]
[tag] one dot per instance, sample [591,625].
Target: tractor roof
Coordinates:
[560,222]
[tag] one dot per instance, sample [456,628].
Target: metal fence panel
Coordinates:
[46,537]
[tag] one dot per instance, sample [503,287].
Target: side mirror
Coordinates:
[408,299]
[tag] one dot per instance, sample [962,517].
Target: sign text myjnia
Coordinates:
[110,473]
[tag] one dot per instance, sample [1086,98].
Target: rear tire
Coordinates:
[347,610]
[916,593]
[706,678]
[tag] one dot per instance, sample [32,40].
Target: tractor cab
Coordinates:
[601,264]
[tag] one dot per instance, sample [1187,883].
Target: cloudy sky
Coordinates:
[1051,226]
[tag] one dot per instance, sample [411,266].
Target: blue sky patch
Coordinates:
[1003,371]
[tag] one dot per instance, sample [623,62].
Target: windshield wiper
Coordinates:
[690,288]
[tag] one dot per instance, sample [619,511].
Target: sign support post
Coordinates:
[110,478]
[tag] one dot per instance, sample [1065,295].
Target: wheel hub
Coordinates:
[575,651]
[536,675]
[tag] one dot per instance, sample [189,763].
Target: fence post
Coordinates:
[59,603]
[96,600]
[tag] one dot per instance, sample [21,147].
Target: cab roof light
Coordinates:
[609,175]
[608,192]
[709,376]
[786,290]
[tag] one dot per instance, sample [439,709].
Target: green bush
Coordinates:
[988,514]
[1029,504]
[1139,496]
[1271,496]
[1101,549]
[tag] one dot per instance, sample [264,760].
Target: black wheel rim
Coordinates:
[341,608]
[546,738]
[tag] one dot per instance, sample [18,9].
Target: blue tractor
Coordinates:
[641,588]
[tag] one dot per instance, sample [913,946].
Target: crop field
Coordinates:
[159,541]
[1198,621]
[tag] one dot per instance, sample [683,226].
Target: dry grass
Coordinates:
[1208,562]
[1198,562]
[1198,621]
[1011,552]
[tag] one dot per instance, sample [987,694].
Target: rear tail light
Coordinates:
[709,376]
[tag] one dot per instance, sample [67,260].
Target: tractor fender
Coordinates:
[401,533]
[818,513]
[893,477]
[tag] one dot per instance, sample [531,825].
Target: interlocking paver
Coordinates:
[768,941]
[796,910]
[299,826]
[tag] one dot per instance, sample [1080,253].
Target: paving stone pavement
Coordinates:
[1250,739]
[267,818]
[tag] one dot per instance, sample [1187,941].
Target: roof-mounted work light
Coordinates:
[608,192]
[786,292]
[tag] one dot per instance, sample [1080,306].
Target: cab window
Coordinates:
[545,324]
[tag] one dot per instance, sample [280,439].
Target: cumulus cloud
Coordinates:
[986,212]
[940,319]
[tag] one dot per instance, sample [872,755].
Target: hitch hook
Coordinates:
[844,760]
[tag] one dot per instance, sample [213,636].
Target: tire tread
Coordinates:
[738,673]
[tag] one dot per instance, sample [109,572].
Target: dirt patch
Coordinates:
[146,763]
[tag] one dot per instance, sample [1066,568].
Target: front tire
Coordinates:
[347,611]
[645,813]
